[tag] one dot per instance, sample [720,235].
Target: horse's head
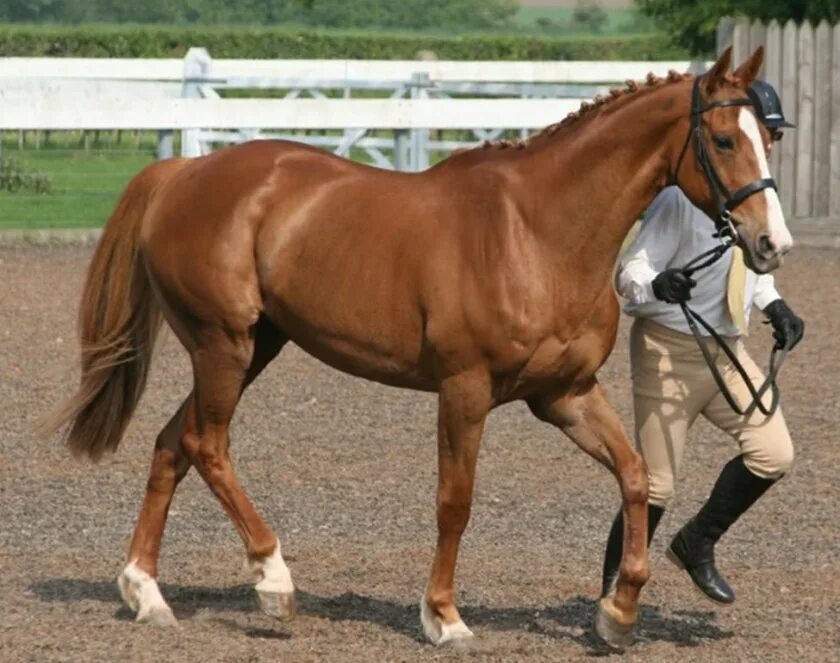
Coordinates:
[722,167]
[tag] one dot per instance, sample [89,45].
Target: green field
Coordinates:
[85,186]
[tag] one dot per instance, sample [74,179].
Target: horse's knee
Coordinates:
[634,480]
[207,453]
[211,462]
[213,467]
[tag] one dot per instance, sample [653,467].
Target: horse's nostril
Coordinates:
[766,247]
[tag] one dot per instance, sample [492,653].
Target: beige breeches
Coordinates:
[672,385]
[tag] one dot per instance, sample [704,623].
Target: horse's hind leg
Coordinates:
[224,366]
[588,420]
[169,465]
[198,432]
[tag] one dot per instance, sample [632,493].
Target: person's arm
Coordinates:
[646,260]
[765,291]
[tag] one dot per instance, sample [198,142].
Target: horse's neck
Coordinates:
[597,178]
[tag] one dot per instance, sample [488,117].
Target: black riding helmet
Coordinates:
[767,105]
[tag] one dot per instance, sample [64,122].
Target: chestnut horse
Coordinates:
[485,279]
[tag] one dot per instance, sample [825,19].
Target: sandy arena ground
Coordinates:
[345,470]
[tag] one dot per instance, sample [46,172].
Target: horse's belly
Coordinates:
[382,343]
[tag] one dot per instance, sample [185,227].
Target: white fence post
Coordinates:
[740,42]
[758,37]
[196,66]
[790,72]
[821,183]
[419,155]
[402,141]
[834,200]
[773,75]
[165,144]
[725,29]
[805,122]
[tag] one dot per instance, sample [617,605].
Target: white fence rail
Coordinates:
[184,95]
[344,70]
[180,114]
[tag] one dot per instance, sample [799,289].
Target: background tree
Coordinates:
[30,11]
[588,16]
[692,23]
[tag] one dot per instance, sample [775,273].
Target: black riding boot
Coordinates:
[693,548]
[615,546]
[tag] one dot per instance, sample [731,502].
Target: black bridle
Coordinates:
[725,203]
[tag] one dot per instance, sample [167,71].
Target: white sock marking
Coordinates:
[439,633]
[272,573]
[141,591]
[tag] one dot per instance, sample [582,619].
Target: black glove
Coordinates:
[673,286]
[788,327]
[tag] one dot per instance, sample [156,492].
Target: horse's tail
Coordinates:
[118,323]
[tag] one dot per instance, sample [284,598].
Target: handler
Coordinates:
[672,384]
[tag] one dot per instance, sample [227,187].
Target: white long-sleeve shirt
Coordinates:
[672,233]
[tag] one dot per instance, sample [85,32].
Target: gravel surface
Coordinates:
[345,470]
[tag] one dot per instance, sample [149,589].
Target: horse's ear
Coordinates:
[717,74]
[748,71]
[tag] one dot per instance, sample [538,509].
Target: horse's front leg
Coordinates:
[464,401]
[587,418]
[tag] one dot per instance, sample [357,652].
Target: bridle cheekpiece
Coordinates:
[726,202]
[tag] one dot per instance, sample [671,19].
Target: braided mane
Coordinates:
[585,109]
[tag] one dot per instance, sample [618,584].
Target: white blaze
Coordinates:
[776,226]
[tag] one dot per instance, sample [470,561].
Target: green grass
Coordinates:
[85,187]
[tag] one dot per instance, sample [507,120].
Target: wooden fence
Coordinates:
[803,63]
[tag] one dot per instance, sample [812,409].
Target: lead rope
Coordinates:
[777,357]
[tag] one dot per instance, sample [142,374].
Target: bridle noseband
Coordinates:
[726,202]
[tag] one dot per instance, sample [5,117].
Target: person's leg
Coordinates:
[668,394]
[766,454]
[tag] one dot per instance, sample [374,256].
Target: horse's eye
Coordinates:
[723,142]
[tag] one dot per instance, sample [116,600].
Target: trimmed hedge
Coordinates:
[272,43]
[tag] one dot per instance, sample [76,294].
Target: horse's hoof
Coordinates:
[615,634]
[158,617]
[456,636]
[278,605]
[142,594]
[130,597]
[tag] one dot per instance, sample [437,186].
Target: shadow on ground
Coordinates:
[570,620]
